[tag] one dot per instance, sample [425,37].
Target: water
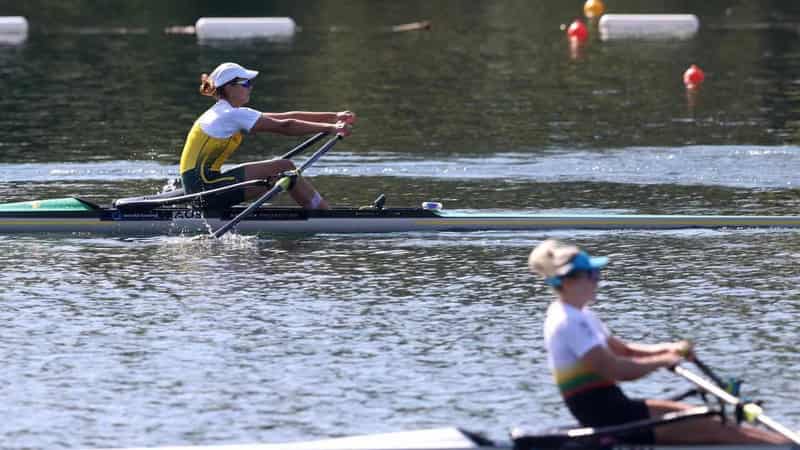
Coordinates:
[115,342]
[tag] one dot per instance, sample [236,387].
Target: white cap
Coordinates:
[228,71]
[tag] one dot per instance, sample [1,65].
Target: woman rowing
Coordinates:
[218,132]
[587,361]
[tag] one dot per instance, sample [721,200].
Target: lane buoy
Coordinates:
[13,29]
[648,26]
[593,8]
[578,31]
[693,77]
[210,28]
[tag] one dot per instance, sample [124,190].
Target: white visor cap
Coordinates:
[226,72]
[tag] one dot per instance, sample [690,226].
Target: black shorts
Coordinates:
[607,406]
[194,182]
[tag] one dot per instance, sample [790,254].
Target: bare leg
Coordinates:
[303,192]
[706,430]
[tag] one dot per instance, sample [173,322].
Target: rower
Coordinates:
[218,132]
[587,361]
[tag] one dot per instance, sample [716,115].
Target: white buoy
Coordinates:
[13,29]
[210,28]
[648,26]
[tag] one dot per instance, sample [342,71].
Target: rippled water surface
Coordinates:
[121,341]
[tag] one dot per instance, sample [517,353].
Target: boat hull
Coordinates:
[448,438]
[84,217]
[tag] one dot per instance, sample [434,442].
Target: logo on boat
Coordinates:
[117,215]
[188,214]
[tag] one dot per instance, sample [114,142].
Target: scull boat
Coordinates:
[447,438]
[605,438]
[176,212]
[75,215]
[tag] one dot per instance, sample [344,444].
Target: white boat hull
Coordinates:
[448,438]
[77,216]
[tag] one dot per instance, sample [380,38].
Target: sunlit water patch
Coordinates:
[731,166]
[162,341]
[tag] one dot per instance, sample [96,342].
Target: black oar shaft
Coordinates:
[303,145]
[709,373]
[281,185]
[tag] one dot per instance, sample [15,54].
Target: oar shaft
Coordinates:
[710,373]
[281,185]
[780,428]
[303,145]
[318,154]
[751,411]
[707,386]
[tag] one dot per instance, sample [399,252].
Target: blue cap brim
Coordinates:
[582,261]
[598,262]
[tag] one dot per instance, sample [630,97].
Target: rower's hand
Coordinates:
[671,359]
[678,352]
[685,349]
[348,117]
[343,129]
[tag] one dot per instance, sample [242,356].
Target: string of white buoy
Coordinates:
[213,28]
[14,29]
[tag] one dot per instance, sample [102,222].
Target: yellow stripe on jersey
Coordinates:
[578,378]
[205,153]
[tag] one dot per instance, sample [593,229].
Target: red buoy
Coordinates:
[693,77]
[578,31]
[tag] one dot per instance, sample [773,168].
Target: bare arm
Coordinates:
[306,116]
[348,117]
[293,127]
[631,349]
[619,368]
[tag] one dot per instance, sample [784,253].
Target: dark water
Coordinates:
[114,342]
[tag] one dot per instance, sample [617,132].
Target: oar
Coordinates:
[157,200]
[303,145]
[709,373]
[282,185]
[152,201]
[751,411]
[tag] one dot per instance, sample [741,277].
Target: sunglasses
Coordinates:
[245,83]
[591,274]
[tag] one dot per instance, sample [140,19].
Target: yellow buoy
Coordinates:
[593,8]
